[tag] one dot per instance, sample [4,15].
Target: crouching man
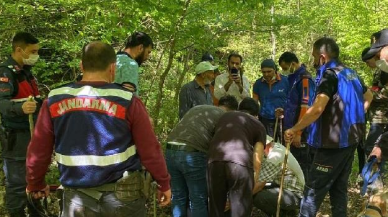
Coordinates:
[267,190]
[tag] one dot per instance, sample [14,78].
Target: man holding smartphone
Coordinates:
[234,82]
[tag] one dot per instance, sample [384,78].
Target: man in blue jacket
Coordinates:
[337,120]
[299,99]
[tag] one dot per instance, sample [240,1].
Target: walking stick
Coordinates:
[281,130]
[31,118]
[276,129]
[282,178]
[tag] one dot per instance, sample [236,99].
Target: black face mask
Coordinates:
[383,77]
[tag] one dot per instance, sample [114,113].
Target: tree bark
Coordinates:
[273,36]
[171,55]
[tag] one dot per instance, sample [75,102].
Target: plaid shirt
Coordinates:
[272,172]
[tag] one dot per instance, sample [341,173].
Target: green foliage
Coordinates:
[183,30]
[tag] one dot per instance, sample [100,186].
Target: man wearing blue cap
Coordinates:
[197,92]
[271,90]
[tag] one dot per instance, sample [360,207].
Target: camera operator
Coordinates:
[234,82]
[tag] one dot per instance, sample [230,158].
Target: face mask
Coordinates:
[317,65]
[288,71]
[33,58]
[382,65]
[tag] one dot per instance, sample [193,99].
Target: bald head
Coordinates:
[97,56]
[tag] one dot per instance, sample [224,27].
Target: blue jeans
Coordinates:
[329,173]
[188,182]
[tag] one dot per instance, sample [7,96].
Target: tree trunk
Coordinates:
[273,36]
[145,99]
[171,55]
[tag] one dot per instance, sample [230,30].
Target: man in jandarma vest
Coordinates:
[101,135]
[17,84]
[337,126]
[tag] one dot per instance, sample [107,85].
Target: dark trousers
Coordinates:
[15,186]
[361,156]
[14,149]
[235,179]
[266,200]
[78,204]
[329,172]
[269,125]
[302,155]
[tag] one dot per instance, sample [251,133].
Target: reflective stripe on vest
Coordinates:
[95,160]
[91,92]
[23,99]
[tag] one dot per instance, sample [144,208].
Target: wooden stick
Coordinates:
[276,129]
[284,167]
[31,117]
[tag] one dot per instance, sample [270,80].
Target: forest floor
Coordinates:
[355,201]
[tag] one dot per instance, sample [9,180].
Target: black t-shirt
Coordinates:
[329,84]
[235,136]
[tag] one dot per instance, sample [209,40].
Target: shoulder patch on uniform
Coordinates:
[4,79]
[3,90]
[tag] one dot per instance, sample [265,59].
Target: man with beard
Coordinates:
[234,81]
[336,120]
[137,50]
[197,92]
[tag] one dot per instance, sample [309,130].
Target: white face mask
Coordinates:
[286,72]
[382,65]
[33,58]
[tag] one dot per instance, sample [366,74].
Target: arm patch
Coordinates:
[4,79]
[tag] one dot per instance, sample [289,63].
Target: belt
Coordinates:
[95,192]
[182,147]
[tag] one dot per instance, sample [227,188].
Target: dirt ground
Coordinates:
[355,202]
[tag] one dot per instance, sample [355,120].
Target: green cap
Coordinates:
[203,67]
